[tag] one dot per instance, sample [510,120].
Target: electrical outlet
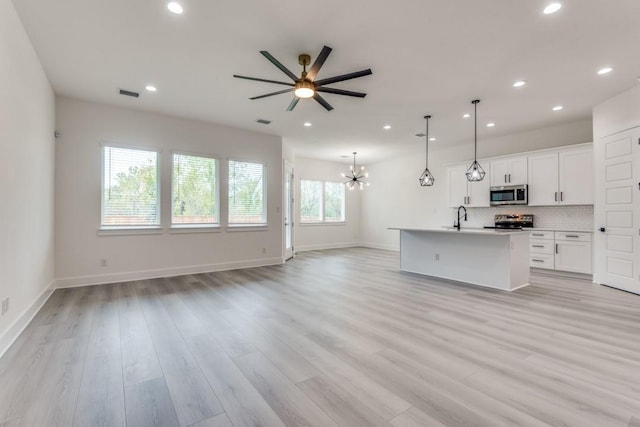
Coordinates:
[5,306]
[103,262]
[437,257]
[264,250]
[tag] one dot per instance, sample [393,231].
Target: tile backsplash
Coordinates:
[575,218]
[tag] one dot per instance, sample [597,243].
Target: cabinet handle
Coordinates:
[537,234]
[561,196]
[509,178]
[505,178]
[537,246]
[574,236]
[537,260]
[556,196]
[556,248]
[468,200]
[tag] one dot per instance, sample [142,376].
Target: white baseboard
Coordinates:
[101,279]
[393,248]
[305,248]
[14,331]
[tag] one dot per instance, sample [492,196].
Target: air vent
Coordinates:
[129,93]
[420,135]
[263,121]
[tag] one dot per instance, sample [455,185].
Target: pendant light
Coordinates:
[427,179]
[358,176]
[475,171]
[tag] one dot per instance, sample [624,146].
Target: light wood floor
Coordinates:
[332,338]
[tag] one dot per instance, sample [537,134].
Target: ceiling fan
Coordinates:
[306,86]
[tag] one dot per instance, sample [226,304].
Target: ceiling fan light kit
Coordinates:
[307,86]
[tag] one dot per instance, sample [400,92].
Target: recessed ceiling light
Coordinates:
[490,125]
[386,127]
[433,138]
[151,88]
[552,8]
[175,7]
[307,124]
[466,116]
[605,70]
[519,83]
[557,108]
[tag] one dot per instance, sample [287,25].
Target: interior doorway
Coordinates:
[289,189]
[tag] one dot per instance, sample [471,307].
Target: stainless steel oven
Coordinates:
[509,195]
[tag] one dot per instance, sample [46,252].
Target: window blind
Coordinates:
[130,187]
[333,202]
[194,195]
[246,193]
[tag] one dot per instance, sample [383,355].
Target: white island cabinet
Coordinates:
[483,257]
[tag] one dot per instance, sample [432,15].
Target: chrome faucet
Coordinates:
[457,224]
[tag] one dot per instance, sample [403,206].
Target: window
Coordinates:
[194,191]
[321,202]
[129,187]
[247,187]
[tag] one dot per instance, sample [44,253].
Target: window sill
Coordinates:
[128,231]
[247,227]
[194,228]
[316,224]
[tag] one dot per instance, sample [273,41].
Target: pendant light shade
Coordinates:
[427,179]
[475,171]
[357,177]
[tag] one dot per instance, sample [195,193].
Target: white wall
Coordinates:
[26,177]
[323,236]
[395,198]
[79,248]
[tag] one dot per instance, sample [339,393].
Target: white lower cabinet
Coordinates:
[561,250]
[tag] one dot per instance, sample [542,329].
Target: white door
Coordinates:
[499,173]
[288,210]
[543,180]
[576,177]
[518,171]
[478,193]
[617,225]
[573,256]
[457,186]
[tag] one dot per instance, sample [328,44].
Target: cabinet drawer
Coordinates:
[541,261]
[573,237]
[545,235]
[541,247]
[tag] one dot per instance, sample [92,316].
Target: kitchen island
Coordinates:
[485,257]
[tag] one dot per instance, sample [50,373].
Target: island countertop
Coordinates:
[480,256]
[463,230]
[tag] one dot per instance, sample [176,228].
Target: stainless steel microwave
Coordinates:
[509,195]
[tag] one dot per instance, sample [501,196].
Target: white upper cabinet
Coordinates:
[462,192]
[576,183]
[509,171]
[563,177]
[543,179]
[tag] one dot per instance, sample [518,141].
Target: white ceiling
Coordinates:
[427,57]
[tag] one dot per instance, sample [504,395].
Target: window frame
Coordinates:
[323,202]
[230,226]
[208,226]
[133,228]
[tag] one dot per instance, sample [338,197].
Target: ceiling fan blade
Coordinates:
[277,63]
[317,64]
[322,101]
[272,93]
[343,77]
[341,92]
[262,80]
[293,104]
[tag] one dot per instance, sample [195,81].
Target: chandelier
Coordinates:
[357,176]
